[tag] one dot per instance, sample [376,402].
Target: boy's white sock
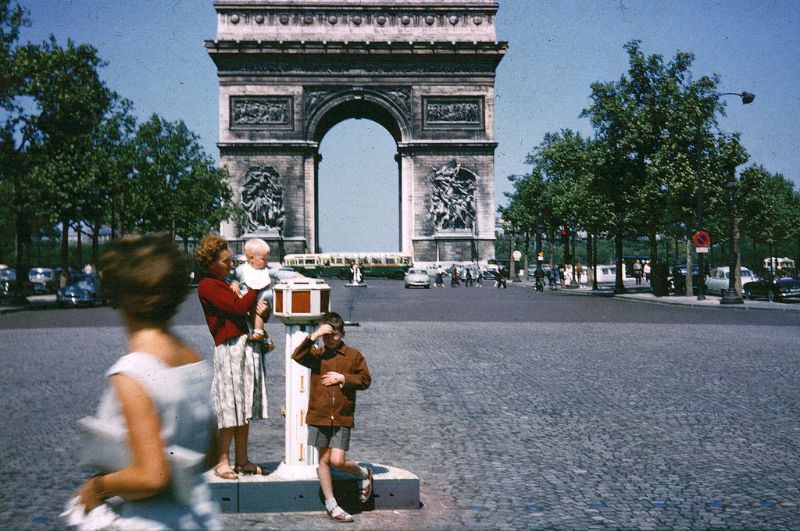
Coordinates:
[259,330]
[330,504]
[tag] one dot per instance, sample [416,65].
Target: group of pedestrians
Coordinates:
[168,415]
[567,276]
[471,276]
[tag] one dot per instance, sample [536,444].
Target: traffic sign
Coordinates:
[516,255]
[701,239]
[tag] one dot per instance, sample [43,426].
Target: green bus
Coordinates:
[322,265]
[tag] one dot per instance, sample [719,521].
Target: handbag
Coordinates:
[105,449]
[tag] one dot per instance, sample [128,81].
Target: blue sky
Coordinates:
[556,50]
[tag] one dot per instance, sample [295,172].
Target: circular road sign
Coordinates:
[701,239]
[516,255]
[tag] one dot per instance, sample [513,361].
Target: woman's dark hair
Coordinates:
[147,277]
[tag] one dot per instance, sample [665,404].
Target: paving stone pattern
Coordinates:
[508,425]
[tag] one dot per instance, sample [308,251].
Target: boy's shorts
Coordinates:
[329,437]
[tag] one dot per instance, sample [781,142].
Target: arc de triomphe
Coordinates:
[289,70]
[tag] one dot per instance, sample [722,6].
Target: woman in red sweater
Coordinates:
[239,391]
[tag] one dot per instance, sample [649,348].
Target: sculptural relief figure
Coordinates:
[262,201]
[453,197]
[258,112]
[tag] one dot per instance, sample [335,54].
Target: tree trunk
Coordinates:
[689,284]
[594,263]
[64,261]
[589,272]
[565,243]
[653,247]
[79,248]
[619,285]
[96,244]
[23,237]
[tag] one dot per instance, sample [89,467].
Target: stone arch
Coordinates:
[357,103]
[289,71]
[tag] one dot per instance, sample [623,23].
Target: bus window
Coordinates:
[310,261]
[390,261]
[338,261]
[376,260]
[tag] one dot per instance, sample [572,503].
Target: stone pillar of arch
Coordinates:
[289,70]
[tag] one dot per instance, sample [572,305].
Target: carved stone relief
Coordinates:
[262,201]
[453,198]
[450,112]
[313,98]
[260,112]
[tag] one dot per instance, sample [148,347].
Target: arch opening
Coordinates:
[357,184]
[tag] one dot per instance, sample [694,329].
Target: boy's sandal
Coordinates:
[249,468]
[366,487]
[339,514]
[225,472]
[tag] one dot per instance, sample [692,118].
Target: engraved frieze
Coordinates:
[453,112]
[260,112]
[262,201]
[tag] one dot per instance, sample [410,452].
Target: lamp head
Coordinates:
[747,97]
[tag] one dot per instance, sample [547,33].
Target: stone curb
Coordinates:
[649,298]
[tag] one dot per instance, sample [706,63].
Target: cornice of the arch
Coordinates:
[319,101]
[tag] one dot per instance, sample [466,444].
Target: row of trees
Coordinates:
[656,136]
[74,158]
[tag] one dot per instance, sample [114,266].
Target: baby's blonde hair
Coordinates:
[256,245]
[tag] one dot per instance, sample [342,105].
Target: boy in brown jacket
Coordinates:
[337,372]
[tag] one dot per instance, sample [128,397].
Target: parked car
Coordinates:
[82,290]
[490,272]
[416,277]
[717,282]
[42,279]
[8,280]
[779,289]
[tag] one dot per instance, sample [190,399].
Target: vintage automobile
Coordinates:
[83,290]
[777,289]
[42,280]
[8,279]
[417,278]
[717,282]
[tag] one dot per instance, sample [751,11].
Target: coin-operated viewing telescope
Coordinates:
[299,303]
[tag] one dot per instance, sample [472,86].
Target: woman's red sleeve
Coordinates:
[220,296]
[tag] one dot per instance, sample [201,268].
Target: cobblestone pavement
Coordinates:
[508,425]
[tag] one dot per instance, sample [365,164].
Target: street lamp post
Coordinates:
[731,295]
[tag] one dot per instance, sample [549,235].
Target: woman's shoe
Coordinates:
[339,514]
[249,468]
[225,472]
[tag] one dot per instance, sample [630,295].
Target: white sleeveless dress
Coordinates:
[182,396]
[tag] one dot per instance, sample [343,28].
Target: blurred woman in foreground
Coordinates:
[154,430]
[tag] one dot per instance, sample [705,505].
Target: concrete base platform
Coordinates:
[394,488]
[352,285]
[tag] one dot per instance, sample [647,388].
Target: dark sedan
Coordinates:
[83,290]
[778,289]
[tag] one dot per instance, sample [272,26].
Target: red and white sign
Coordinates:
[701,239]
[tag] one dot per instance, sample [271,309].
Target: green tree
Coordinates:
[17,204]
[767,203]
[71,101]
[176,186]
